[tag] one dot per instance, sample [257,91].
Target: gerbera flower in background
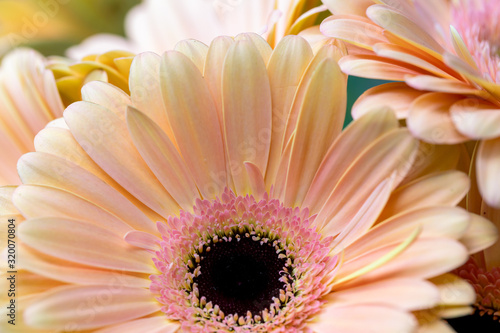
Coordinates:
[222,195]
[157,25]
[446,52]
[34,91]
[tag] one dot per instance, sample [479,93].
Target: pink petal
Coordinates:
[476,118]
[142,239]
[437,84]
[50,170]
[375,67]
[162,158]
[349,145]
[83,243]
[487,171]
[357,318]
[286,68]
[80,308]
[42,201]
[321,116]
[354,7]
[247,111]
[395,95]
[110,146]
[194,122]
[430,120]
[158,324]
[257,184]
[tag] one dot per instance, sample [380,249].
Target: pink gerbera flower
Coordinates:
[222,195]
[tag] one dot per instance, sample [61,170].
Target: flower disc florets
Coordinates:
[275,261]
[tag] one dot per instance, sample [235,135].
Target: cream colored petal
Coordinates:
[355,30]
[6,204]
[42,201]
[213,70]
[451,86]
[145,89]
[354,7]
[403,293]
[107,95]
[279,185]
[454,290]
[375,67]
[437,326]
[260,43]
[476,118]
[286,67]
[247,111]
[453,224]
[425,258]
[162,158]
[157,324]
[70,273]
[392,153]
[84,243]
[49,170]
[364,218]
[257,184]
[328,51]
[195,50]
[109,144]
[395,95]
[143,240]
[429,119]
[442,188]
[407,56]
[460,47]
[486,234]
[487,171]
[357,318]
[79,308]
[321,116]
[193,117]
[433,158]
[349,145]
[403,27]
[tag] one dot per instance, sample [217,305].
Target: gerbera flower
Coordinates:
[446,52]
[203,20]
[34,90]
[222,195]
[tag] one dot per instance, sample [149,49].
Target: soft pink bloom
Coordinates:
[223,195]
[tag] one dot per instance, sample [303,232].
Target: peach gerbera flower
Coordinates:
[34,91]
[222,195]
[147,23]
[446,52]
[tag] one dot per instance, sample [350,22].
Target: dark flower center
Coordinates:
[240,275]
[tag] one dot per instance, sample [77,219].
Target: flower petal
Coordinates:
[487,167]
[49,170]
[162,158]
[375,67]
[395,95]
[247,111]
[84,243]
[257,184]
[403,293]
[195,50]
[157,324]
[145,90]
[80,308]
[437,84]
[321,116]
[193,118]
[343,152]
[44,201]
[442,188]
[354,7]
[429,119]
[454,290]
[391,153]
[476,118]
[286,68]
[109,144]
[356,319]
